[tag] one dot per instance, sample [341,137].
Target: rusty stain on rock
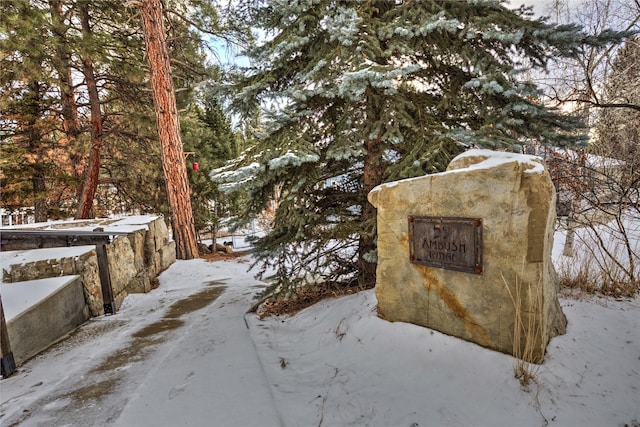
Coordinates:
[479,334]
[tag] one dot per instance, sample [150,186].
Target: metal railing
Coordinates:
[16,239]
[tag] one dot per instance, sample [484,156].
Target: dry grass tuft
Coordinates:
[526,332]
[590,276]
[218,256]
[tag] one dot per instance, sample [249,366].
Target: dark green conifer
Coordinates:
[33,41]
[210,140]
[357,93]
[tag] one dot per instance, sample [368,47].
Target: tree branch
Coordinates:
[190,22]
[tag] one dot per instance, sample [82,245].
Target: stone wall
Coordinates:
[515,198]
[135,261]
[43,323]
[84,264]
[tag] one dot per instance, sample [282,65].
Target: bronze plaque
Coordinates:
[451,243]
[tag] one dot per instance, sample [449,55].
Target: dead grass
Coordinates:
[222,256]
[610,288]
[587,275]
[305,296]
[526,331]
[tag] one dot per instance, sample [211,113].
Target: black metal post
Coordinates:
[105,278]
[7,363]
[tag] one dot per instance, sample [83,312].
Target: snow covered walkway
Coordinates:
[200,380]
[167,358]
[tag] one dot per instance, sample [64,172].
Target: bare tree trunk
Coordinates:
[92,172]
[69,111]
[571,234]
[173,162]
[372,176]
[40,210]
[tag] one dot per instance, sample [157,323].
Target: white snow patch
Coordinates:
[21,257]
[20,296]
[492,159]
[533,164]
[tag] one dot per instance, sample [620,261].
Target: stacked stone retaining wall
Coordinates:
[135,261]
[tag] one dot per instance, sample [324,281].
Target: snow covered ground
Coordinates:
[186,354]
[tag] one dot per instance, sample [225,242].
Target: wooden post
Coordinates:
[7,364]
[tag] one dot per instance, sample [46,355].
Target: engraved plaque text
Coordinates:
[450,243]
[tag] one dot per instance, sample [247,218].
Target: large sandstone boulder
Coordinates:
[515,294]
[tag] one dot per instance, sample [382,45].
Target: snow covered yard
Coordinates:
[337,364]
[187,354]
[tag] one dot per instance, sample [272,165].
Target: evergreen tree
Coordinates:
[164,100]
[99,119]
[363,92]
[33,166]
[40,43]
[131,171]
[208,135]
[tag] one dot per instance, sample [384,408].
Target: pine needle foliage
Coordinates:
[29,152]
[43,158]
[357,93]
[207,133]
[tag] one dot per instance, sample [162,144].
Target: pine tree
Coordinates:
[131,174]
[39,44]
[178,189]
[360,93]
[94,145]
[207,133]
[32,164]
[63,64]
[89,186]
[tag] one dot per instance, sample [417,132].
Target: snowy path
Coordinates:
[167,358]
[204,362]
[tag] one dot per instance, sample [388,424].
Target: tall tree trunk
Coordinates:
[40,210]
[92,172]
[69,111]
[35,149]
[372,176]
[567,250]
[173,163]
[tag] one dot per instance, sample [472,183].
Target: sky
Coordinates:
[539,6]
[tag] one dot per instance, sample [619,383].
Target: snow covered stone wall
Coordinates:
[509,303]
[135,260]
